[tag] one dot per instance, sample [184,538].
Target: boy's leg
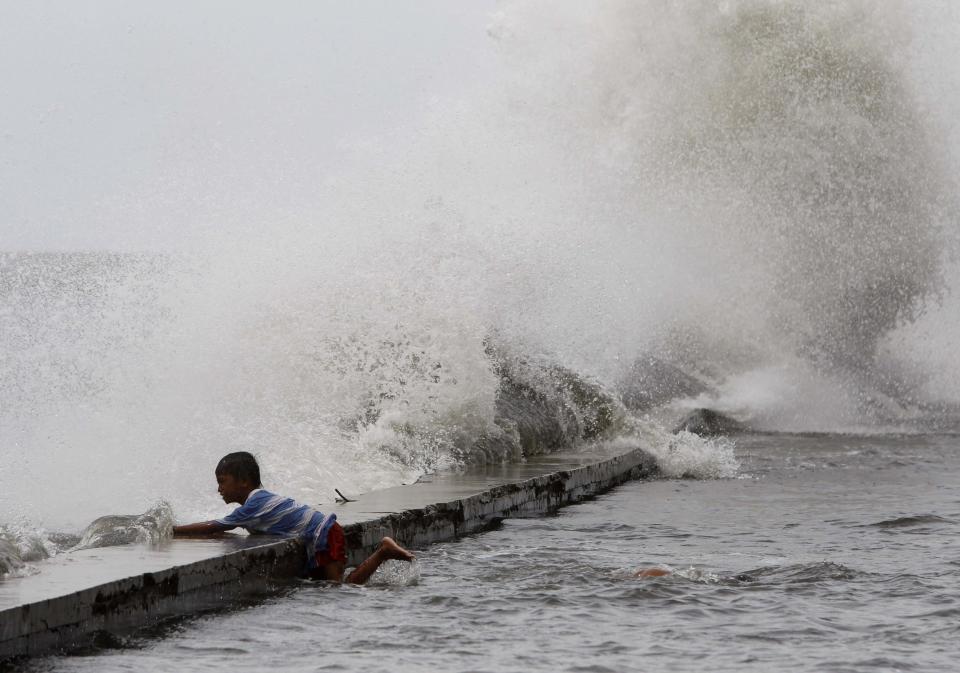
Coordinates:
[388,549]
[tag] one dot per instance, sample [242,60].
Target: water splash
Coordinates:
[21,547]
[683,455]
[152,526]
[775,167]
[756,192]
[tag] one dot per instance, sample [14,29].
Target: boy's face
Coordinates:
[233,489]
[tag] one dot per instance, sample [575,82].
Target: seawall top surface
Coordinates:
[456,485]
[75,571]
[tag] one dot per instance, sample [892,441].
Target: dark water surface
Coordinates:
[829,553]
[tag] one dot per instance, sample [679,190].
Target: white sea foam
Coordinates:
[683,455]
[21,547]
[396,574]
[686,455]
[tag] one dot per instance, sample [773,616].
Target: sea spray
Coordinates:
[682,455]
[22,547]
[732,187]
[772,164]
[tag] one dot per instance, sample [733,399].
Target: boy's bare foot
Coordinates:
[392,550]
[652,572]
[388,549]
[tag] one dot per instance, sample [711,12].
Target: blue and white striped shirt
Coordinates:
[266,512]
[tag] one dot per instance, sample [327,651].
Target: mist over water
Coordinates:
[758,192]
[785,188]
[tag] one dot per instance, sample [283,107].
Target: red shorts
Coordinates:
[336,551]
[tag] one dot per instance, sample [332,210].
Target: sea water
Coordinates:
[823,553]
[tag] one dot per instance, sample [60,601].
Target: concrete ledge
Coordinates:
[124,605]
[418,527]
[71,599]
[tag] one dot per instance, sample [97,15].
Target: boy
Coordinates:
[260,511]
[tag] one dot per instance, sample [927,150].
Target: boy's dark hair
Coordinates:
[240,465]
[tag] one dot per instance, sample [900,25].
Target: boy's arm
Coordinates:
[202,528]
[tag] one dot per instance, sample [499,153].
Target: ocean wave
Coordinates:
[748,208]
[803,573]
[689,456]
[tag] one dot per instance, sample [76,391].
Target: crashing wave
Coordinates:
[21,547]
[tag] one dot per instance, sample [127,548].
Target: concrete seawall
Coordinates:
[116,590]
[568,481]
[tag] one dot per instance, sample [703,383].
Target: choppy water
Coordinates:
[827,553]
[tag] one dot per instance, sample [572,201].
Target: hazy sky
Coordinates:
[126,125]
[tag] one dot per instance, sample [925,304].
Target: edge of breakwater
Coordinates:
[68,605]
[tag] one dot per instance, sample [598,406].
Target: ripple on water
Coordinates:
[802,573]
[912,522]
[215,651]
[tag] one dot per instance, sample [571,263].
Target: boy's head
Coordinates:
[237,474]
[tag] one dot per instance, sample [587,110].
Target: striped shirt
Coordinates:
[266,512]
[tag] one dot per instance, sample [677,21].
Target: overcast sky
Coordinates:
[124,125]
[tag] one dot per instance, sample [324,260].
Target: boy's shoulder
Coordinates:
[257,499]
[261,495]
